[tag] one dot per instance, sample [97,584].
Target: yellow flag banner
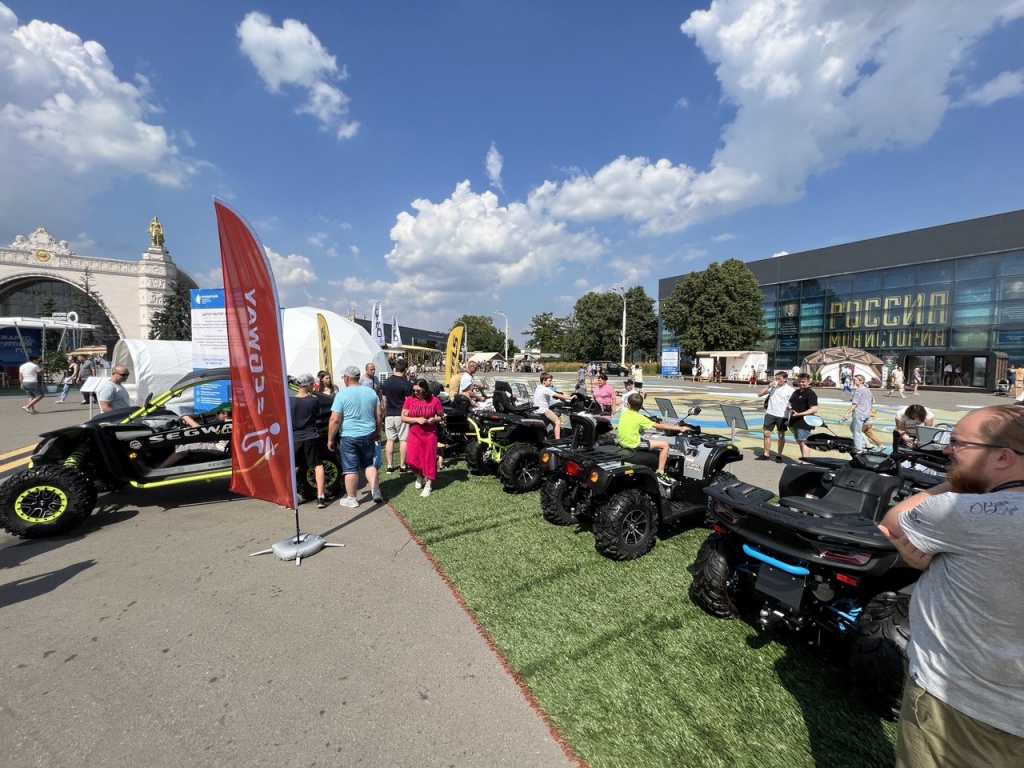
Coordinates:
[451,355]
[324,351]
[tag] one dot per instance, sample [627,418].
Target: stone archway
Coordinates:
[128,293]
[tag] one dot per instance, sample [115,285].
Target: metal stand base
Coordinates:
[297,547]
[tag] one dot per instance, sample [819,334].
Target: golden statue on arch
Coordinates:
[156,232]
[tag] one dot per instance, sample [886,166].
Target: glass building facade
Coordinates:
[944,296]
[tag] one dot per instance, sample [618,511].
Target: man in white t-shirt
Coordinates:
[29,378]
[542,397]
[908,419]
[468,386]
[776,415]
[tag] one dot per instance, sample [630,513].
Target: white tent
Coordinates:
[348,343]
[154,364]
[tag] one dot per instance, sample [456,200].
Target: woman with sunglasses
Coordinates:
[422,412]
[325,384]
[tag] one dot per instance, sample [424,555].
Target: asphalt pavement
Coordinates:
[149,637]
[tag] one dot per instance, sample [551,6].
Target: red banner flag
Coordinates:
[262,458]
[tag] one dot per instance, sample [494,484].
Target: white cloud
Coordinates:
[724,237]
[291,55]
[292,274]
[1005,85]
[812,81]
[778,254]
[466,249]
[494,163]
[66,111]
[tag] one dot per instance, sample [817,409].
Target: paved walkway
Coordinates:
[150,638]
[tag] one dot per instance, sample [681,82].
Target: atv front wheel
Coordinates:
[625,527]
[713,573]
[45,501]
[519,470]
[475,460]
[563,503]
[332,478]
[879,652]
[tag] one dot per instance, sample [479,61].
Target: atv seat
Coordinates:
[505,403]
[584,429]
[853,492]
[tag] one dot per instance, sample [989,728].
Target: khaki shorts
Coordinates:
[395,429]
[932,733]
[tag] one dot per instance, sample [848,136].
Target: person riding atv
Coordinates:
[509,439]
[617,490]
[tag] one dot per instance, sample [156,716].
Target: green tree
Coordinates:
[483,335]
[717,309]
[598,327]
[641,326]
[174,321]
[546,332]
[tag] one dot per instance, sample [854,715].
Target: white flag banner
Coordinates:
[377,326]
[396,334]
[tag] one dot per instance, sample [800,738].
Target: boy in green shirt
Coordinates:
[631,423]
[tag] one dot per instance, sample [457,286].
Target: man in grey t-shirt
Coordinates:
[860,410]
[964,699]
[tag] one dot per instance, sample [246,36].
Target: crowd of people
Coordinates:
[79,369]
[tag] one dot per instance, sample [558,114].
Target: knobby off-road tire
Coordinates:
[475,458]
[332,478]
[519,470]
[562,502]
[879,652]
[712,577]
[45,501]
[625,528]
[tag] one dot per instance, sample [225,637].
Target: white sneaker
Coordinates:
[376,495]
[425,492]
[349,501]
[419,483]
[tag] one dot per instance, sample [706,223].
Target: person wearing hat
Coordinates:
[305,409]
[355,414]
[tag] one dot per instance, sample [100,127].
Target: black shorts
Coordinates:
[775,422]
[309,453]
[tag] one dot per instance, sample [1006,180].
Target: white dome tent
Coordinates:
[154,365]
[347,342]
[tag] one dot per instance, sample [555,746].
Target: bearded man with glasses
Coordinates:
[965,693]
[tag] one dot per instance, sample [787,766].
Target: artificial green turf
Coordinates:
[620,659]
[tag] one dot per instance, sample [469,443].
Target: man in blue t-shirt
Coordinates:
[356,411]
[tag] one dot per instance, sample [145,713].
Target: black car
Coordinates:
[127,446]
[610,367]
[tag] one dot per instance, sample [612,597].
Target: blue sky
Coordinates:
[474,156]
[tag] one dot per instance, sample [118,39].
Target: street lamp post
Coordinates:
[499,312]
[465,339]
[621,291]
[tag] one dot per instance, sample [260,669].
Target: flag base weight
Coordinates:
[297,547]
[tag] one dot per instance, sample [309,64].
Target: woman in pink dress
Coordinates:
[422,412]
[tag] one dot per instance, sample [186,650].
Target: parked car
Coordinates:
[610,367]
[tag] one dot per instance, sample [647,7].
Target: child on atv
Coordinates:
[632,423]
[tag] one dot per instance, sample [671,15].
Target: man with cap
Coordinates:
[356,414]
[305,409]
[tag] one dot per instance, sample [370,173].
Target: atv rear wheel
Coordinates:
[562,502]
[713,574]
[879,652]
[475,460]
[625,527]
[45,501]
[519,470]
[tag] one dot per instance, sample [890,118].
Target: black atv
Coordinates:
[70,466]
[815,561]
[508,440]
[616,488]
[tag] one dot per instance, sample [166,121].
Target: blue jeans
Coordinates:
[857,427]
